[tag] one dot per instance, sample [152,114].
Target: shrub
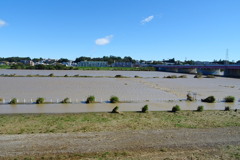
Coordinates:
[13,101]
[229,99]
[172,76]
[40,100]
[1,99]
[199,75]
[137,76]
[51,75]
[145,109]
[65,75]
[210,76]
[114,99]
[200,108]
[119,76]
[182,76]
[210,99]
[227,108]
[90,99]
[115,109]
[66,100]
[176,108]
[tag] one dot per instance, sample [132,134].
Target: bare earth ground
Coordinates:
[145,144]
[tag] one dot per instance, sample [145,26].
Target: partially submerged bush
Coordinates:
[182,76]
[90,99]
[176,108]
[119,76]
[145,109]
[115,110]
[114,99]
[227,108]
[210,76]
[51,75]
[210,99]
[199,75]
[229,99]
[137,76]
[172,76]
[66,100]
[13,101]
[200,108]
[40,100]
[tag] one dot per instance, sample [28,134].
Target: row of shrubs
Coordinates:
[115,99]
[175,109]
[90,99]
[211,99]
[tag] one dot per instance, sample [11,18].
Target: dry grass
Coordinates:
[225,152]
[95,122]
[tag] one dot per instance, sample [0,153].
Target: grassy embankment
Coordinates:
[95,122]
[4,67]
[218,153]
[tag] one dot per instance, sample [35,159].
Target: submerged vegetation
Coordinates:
[210,99]
[114,99]
[90,99]
[40,100]
[229,99]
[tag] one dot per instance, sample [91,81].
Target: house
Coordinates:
[92,64]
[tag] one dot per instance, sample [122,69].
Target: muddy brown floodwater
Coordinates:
[159,93]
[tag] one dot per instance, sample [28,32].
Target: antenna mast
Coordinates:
[226,58]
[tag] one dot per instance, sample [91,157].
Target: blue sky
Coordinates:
[142,29]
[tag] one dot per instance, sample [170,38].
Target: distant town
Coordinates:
[105,61]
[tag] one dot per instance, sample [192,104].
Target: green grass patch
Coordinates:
[95,122]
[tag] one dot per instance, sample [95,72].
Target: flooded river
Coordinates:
[152,89]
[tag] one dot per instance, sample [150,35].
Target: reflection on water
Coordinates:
[107,107]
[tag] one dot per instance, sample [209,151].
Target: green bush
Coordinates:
[200,108]
[90,99]
[114,99]
[66,100]
[1,99]
[176,108]
[210,76]
[119,76]
[13,101]
[40,100]
[210,99]
[229,99]
[172,76]
[115,109]
[182,76]
[227,108]
[51,75]
[137,76]
[65,75]
[199,75]
[145,109]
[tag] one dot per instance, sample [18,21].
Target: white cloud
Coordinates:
[148,19]
[2,23]
[104,41]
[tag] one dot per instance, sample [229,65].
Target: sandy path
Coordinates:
[40,144]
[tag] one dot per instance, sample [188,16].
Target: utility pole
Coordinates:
[226,58]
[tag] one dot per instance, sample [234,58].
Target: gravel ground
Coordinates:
[47,144]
